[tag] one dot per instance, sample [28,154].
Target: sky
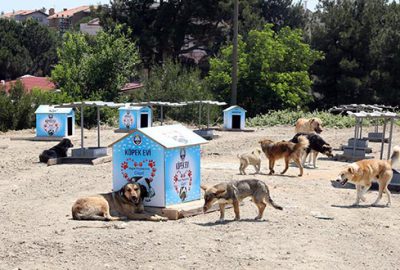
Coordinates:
[58,5]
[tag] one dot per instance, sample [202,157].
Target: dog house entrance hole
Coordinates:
[69,126]
[144,120]
[236,121]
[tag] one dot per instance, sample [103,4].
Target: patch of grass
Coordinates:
[287,117]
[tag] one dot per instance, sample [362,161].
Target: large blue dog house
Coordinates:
[164,159]
[134,117]
[54,122]
[234,117]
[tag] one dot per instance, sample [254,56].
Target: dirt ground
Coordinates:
[37,232]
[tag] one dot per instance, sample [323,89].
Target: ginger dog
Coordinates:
[287,150]
[312,125]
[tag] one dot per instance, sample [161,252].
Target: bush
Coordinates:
[287,117]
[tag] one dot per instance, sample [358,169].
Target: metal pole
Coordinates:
[383,137]
[81,126]
[390,138]
[199,115]
[98,127]
[208,116]
[162,114]
[360,136]
[355,137]
[235,52]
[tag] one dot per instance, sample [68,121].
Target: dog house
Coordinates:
[132,117]
[164,159]
[54,122]
[234,117]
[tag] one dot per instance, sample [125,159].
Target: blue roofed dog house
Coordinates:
[54,122]
[132,117]
[164,159]
[234,117]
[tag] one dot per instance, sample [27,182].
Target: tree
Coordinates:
[273,70]
[26,48]
[360,40]
[95,67]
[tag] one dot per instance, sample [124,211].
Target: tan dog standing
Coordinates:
[126,203]
[253,158]
[363,172]
[234,192]
[304,125]
[287,150]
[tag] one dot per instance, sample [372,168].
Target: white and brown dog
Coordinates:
[253,158]
[363,172]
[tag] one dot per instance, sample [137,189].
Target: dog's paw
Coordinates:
[237,218]
[363,198]
[158,218]
[388,204]
[221,220]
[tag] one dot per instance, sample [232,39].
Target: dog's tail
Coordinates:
[395,156]
[270,201]
[302,144]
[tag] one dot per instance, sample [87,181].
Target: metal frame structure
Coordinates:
[388,118]
[98,105]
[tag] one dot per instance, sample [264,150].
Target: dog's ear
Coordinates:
[350,170]
[204,187]
[143,192]
[312,120]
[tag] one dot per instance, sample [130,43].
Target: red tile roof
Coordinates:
[18,12]
[31,82]
[69,12]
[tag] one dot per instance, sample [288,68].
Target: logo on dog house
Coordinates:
[54,122]
[134,117]
[164,159]
[234,117]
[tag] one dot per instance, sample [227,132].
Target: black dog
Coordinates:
[317,145]
[58,151]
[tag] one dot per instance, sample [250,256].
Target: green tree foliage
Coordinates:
[95,67]
[361,43]
[167,29]
[173,82]
[26,48]
[17,108]
[273,70]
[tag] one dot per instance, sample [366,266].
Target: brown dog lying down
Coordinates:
[363,172]
[126,203]
[234,192]
[304,125]
[287,150]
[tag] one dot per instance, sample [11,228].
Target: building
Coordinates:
[23,15]
[91,27]
[67,18]
[30,82]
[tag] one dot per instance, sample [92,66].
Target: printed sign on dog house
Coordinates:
[164,159]
[234,117]
[132,117]
[54,122]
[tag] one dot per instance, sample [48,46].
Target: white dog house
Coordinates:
[132,117]
[164,159]
[54,122]
[234,117]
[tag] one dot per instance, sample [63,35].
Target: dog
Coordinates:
[58,151]
[234,192]
[363,172]
[317,145]
[253,158]
[287,150]
[305,125]
[126,203]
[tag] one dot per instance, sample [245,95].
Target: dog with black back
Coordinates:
[58,151]
[316,145]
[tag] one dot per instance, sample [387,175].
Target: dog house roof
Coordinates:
[132,108]
[234,107]
[51,109]
[171,136]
